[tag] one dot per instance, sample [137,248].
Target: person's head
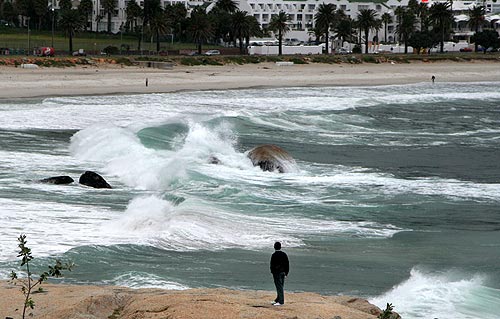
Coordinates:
[277,245]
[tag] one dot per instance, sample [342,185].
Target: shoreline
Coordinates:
[86,301]
[113,79]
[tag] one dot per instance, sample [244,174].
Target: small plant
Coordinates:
[387,313]
[29,283]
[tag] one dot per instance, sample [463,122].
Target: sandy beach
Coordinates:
[116,79]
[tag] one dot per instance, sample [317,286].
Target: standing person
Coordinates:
[279,269]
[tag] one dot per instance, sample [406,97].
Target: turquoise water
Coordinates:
[394,196]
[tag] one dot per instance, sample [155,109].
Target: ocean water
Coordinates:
[395,194]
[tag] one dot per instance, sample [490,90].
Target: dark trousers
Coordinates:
[279,282]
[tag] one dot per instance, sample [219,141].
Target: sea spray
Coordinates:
[449,295]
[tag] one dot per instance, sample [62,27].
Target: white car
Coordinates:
[343,51]
[212,52]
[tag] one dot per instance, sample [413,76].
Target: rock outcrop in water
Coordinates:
[93,180]
[57,180]
[271,158]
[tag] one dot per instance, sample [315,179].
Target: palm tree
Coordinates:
[176,14]
[441,17]
[200,27]
[386,19]
[85,8]
[109,7]
[324,19]
[423,14]
[367,19]
[344,29]
[253,30]
[279,23]
[150,8]
[229,6]
[40,10]
[71,22]
[406,27]
[133,12]
[158,26]
[239,26]
[476,20]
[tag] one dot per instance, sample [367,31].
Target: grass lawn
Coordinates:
[15,38]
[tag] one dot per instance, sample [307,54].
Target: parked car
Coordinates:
[212,52]
[466,49]
[343,51]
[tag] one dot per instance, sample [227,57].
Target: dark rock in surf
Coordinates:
[57,180]
[93,180]
[271,158]
[213,160]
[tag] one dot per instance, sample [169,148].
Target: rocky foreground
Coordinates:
[68,301]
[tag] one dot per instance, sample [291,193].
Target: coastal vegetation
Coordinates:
[246,59]
[29,282]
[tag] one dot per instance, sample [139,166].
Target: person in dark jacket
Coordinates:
[279,269]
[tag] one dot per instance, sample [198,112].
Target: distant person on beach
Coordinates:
[433,78]
[279,269]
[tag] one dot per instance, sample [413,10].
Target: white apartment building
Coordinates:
[302,13]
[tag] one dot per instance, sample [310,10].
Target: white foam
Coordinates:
[77,225]
[390,185]
[191,226]
[138,280]
[444,296]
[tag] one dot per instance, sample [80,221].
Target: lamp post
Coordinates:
[29,39]
[53,13]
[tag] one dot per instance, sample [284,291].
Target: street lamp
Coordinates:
[29,44]
[53,13]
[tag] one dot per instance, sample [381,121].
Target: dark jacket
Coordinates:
[279,263]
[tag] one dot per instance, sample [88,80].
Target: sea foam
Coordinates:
[449,295]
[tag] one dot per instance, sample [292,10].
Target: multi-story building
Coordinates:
[302,13]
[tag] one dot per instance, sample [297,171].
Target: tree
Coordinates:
[85,8]
[421,39]
[441,18]
[344,29]
[109,8]
[9,12]
[158,25]
[240,26]
[367,19]
[40,9]
[487,39]
[150,8]
[279,22]
[176,15]
[71,22]
[386,19]
[406,26]
[229,6]
[65,5]
[476,20]
[29,283]
[325,19]
[423,15]
[200,27]
[253,29]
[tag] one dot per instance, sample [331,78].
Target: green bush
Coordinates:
[370,59]
[111,50]
[29,283]
[297,60]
